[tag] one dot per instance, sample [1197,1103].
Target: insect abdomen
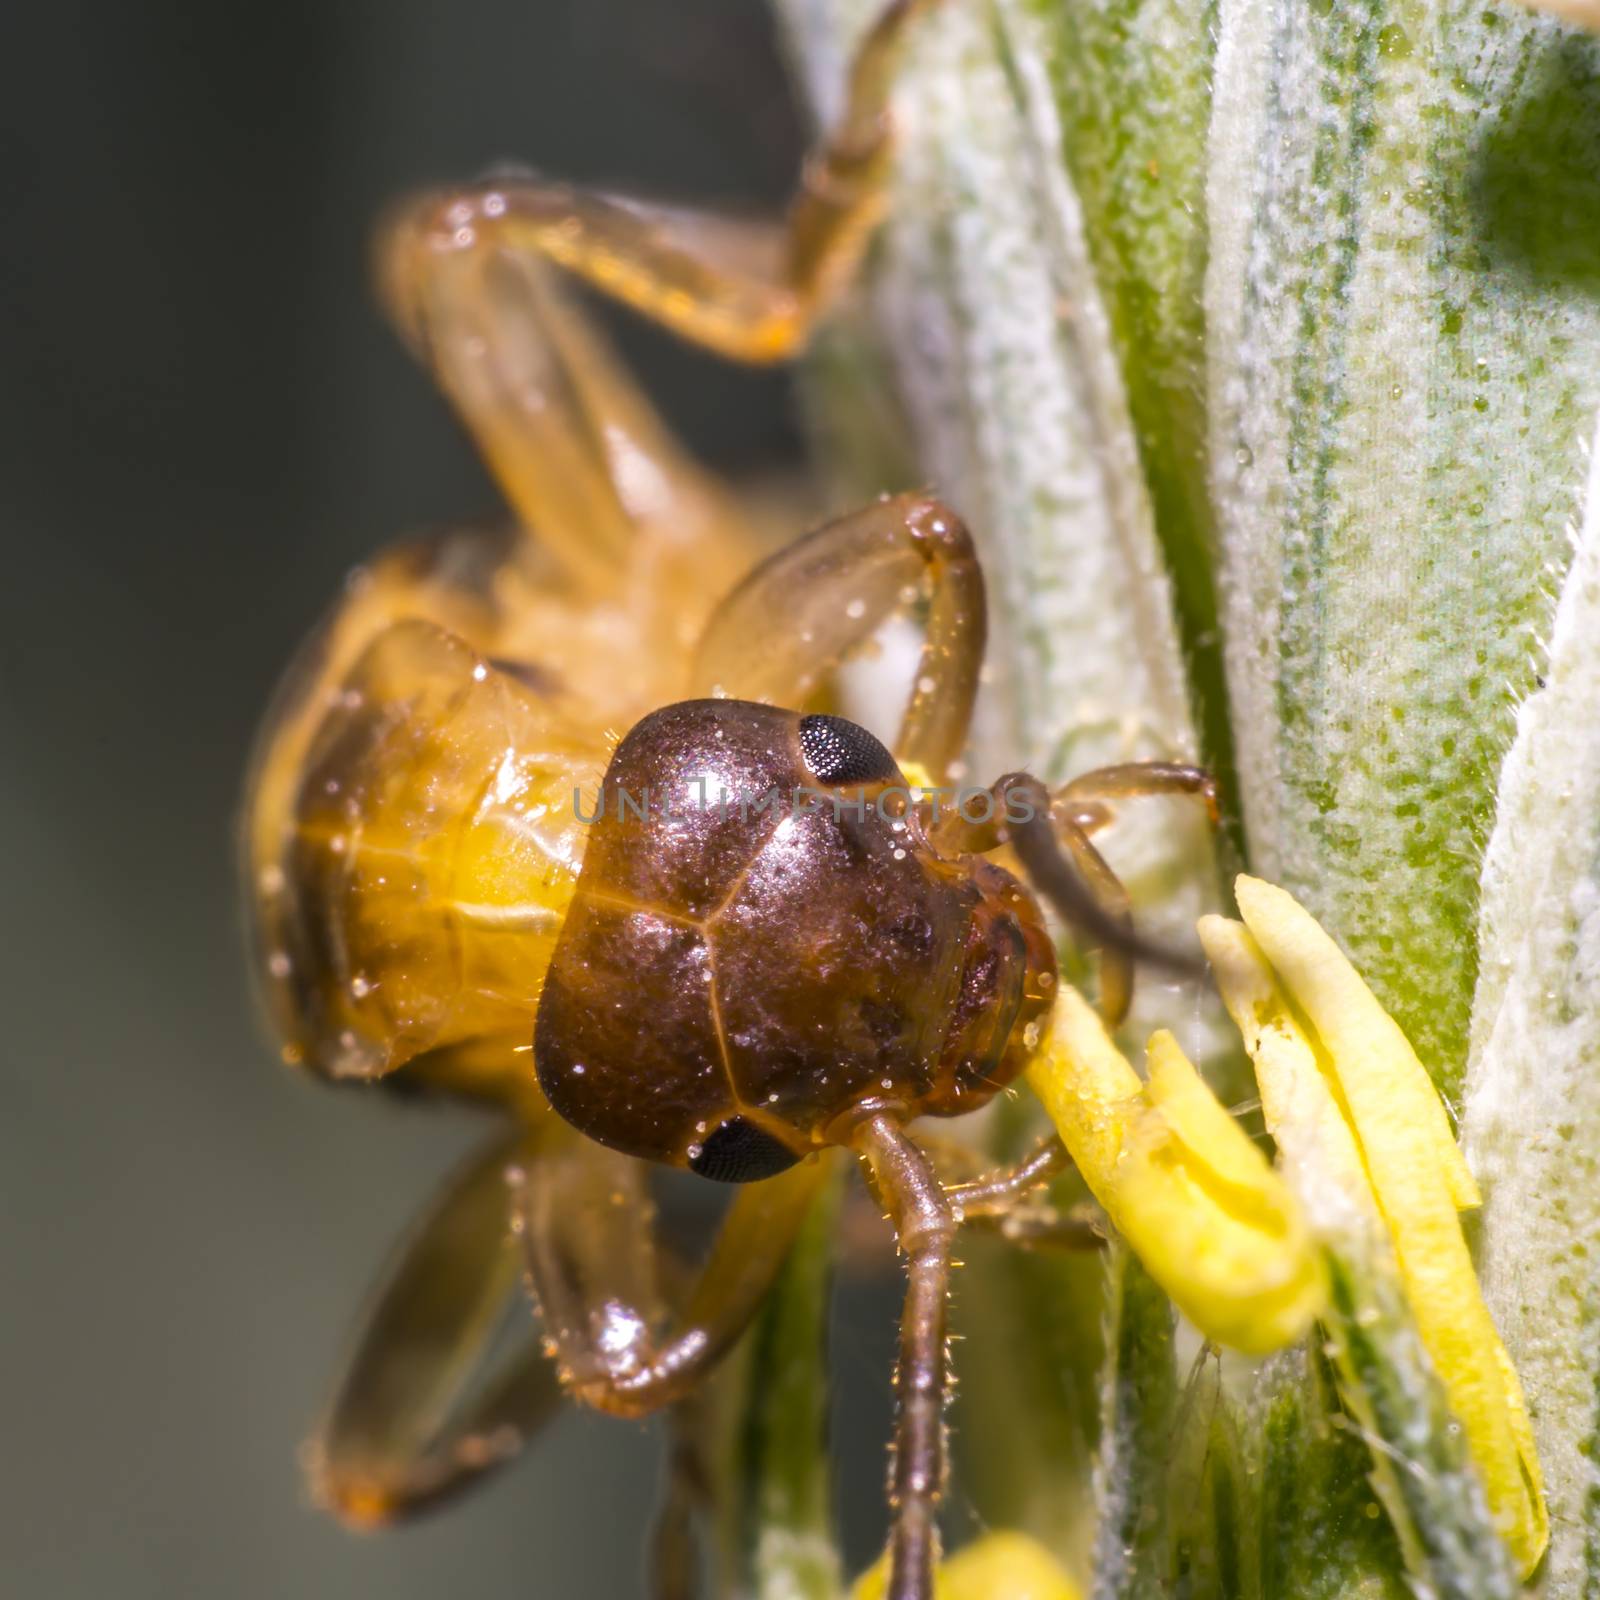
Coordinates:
[425,862]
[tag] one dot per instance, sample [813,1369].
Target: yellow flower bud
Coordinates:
[997,1566]
[1365,1136]
[1198,1203]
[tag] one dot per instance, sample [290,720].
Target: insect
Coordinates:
[745,935]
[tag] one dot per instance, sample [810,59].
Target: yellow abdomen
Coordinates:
[412,832]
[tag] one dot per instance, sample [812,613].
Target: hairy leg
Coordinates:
[1136,780]
[574,444]
[780,634]
[749,290]
[1049,835]
[925,1224]
[419,1412]
[585,1220]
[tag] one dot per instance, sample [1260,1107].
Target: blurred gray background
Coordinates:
[202,425]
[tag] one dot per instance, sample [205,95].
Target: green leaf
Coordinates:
[1533,1086]
[1132,81]
[1404,345]
[1289,349]
[1420,1467]
[1007,366]
[1026,1416]
[1139,1422]
[777,1489]
[1322,1534]
[1211,1493]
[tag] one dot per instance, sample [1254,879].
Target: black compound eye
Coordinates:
[838,751]
[740,1152]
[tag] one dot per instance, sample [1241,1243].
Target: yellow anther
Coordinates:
[1365,1136]
[997,1566]
[1199,1204]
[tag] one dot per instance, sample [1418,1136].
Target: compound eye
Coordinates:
[740,1152]
[838,751]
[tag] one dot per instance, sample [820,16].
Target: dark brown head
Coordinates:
[763,945]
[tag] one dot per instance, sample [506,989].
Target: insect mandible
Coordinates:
[756,940]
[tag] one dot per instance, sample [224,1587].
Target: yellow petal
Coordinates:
[873,1584]
[1234,1169]
[997,1566]
[1376,1062]
[1194,1198]
[1301,1101]
[1356,1061]
[1006,1566]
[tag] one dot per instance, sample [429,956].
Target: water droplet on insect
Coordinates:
[278,964]
[856,610]
[695,1151]
[359,987]
[1244,455]
[578,1069]
[479,673]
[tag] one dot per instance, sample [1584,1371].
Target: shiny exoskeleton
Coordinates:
[765,948]
[735,937]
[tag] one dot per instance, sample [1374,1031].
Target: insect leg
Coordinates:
[997,1191]
[1116,957]
[925,1223]
[1037,1226]
[585,1220]
[1079,808]
[1051,841]
[780,634]
[675,1561]
[575,445]
[1009,1202]
[406,1428]
[747,290]
[1135,780]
